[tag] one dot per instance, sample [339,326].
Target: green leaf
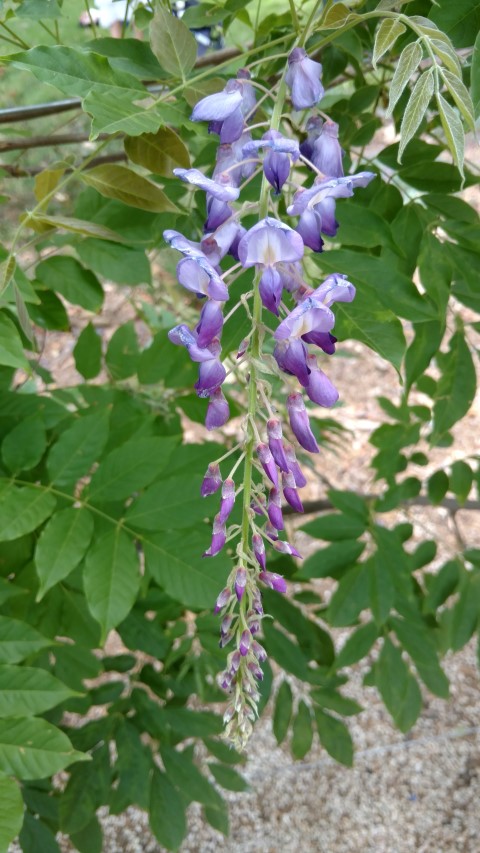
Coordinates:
[349,503]
[86,790]
[122,183]
[337,16]
[11,811]
[456,386]
[111,579]
[437,487]
[172,43]
[72,456]
[336,702]
[181,572]
[185,775]
[31,748]
[228,778]
[133,768]
[172,504]
[302,731]
[36,835]
[89,839]
[75,226]
[466,612]
[50,312]
[223,752]
[357,646]
[419,644]
[129,468]
[350,597]
[475,77]
[283,711]
[333,560]
[442,584]
[334,737]
[115,262]
[62,544]
[158,152]
[18,640]
[387,34]
[459,20]
[115,110]
[334,527]
[25,690]
[398,687]
[23,510]
[7,269]
[416,108]
[123,353]
[11,349]
[408,63]
[453,130]
[87,352]
[424,346]
[460,95]
[66,276]
[361,226]
[73,71]
[24,446]
[286,653]
[461,479]
[218,818]
[382,591]
[446,53]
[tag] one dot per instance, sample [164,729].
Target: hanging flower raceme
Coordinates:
[275,251]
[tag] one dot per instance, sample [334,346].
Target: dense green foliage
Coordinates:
[101,523]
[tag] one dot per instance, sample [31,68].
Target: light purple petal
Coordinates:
[270,242]
[217,107]
[310,314]
[300,423]
[303,79]
[309,227]
[319,388]
[211,323]
[270,289]
[220,189]
[218,411]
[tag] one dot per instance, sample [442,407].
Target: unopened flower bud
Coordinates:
[222,600]
[275,435]
[274,509]
[300,479]
[268,462]
[286,548]
[274,581]
[300,423]
[259,651]
[211,481]
[245,642]
[290,492]
[218,538]
[240,582]
[259,550]
[228,500]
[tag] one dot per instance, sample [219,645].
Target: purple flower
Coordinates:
[274,581]
[276,164]
[309,226]
[240,582]
[222,600]
[210,324]
[274,509]
[298,475]
[215,245]
[324,188]
[314,129]
[228,500]
[300,423]
[270,288]
[203,282]
[268,463]
[211,373]
[226,110]
[245,642]
[259,550]
[309,315]
[322,147]
[218,411]
[211,481]
[335,288]
[286,548]
[218,540]
[319,388]
[303,79]
[259,651]
[254,668]
[221,189]
[275,443]
[290,492]
[291,357]
[270,242]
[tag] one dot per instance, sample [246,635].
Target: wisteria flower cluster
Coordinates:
[275,250]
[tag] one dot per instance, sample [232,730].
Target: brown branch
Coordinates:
[20,172]
[47,141]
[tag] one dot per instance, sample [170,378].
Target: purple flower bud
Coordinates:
[298,475]
[286,548]
[319,388]
[224,680]
[303,79]
[255,670]
[211,374]
[258,505]
[314,129]
[243,348]
[259,651]
[225,638]
[222,600]
[220,189]
[270,288]
[229,714]
[300,423]
[335,288]
[270,531]
[327,154]
[254,626]
[211,481]
[291,357]
[228,500]
[275,435]
[217,213]
[268,463]
[218,412]
[245,642]
[274,509]
[259,550]
[195,279]
[219,106]
[290,492]
[227,623]
[218,539]
[309,226]
[273,141]
[274,581]
[240,582]
[257,602]
[211,323]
